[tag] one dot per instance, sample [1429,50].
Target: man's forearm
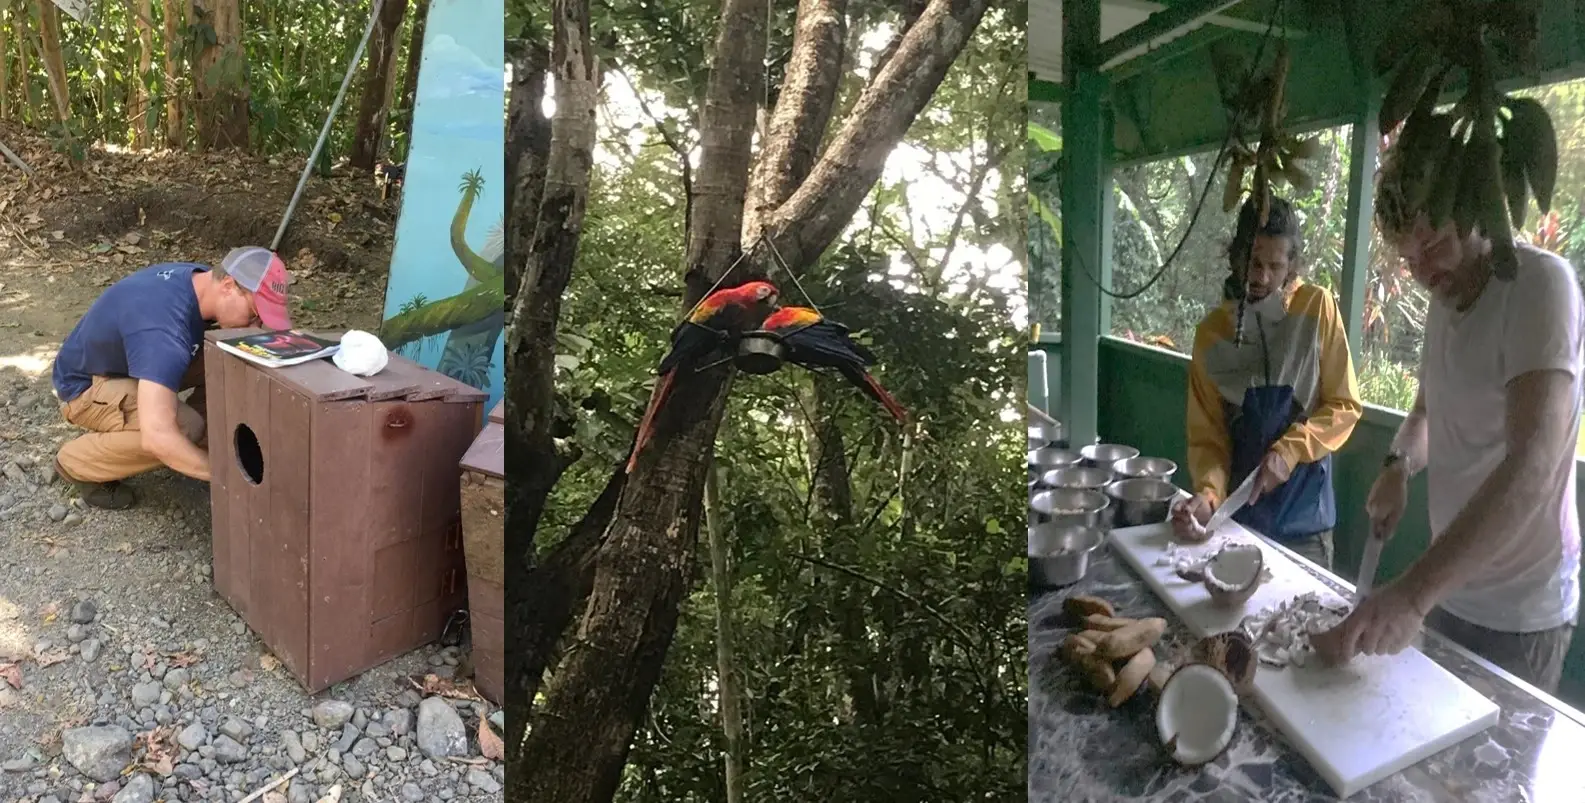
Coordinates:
[1410,441]
[1455,556]
[181,455]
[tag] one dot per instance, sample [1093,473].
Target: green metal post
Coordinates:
[1108,222]
[1083,184]
[1364,144]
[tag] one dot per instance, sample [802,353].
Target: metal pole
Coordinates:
[324,132]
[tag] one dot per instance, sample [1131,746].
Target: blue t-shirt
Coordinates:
[146,326]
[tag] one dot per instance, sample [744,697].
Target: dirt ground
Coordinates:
[156,652]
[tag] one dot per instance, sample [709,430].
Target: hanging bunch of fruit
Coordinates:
[1274,157]
[1479,162]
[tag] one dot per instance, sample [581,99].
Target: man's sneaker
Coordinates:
[107,495]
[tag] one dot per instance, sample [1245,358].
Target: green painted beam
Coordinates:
[1084,172]
[1044,91]
[1364,144]
[1158,58]
[1164,23]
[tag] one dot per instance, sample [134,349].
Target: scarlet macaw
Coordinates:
[723,316]
[813,341]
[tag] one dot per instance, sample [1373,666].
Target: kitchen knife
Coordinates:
[1367,566]
[1235,502]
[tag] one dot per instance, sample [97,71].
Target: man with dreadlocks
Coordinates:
[1272,393]
[1494,426]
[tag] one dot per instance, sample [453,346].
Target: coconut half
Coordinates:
[1233,574]
[1232,652]
[1197,714]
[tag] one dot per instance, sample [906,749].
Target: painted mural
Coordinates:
[444,303]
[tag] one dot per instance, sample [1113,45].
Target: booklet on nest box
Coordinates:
[279,349]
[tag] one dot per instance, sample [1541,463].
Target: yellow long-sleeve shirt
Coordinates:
[1308,349]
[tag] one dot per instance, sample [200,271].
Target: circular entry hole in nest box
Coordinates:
[250,457]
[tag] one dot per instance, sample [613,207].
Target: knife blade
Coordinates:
[1367,566]
[1235,502]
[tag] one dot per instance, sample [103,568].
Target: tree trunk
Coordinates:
[175,23]
[5,64]
[372,105]
[143,26]
[54,61]
[579,739]
[727,672]
[415,57]
[545,236]
[23,41]
[527,148]
[221,79]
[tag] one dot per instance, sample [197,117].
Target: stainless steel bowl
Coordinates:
[1091,479]
[1103,455]
[1158,467]
[1140,501]
[1042,435]
[1060,555]
[1069,507]
[1043,460]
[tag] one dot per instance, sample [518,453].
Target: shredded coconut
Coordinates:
[1282,633]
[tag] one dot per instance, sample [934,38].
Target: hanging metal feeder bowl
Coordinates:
[760,352]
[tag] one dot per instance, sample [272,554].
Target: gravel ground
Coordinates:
[115,634]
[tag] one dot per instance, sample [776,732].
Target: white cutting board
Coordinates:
[1355,724]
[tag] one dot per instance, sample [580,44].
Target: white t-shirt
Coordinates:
[1529,577]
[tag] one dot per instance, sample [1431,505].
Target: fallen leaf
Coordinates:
[333,796]
[182,659]
[436,685]
[12,674]
[51,658]
[51,611]
[490,745]
[125,547]
[273,796]
[269,663]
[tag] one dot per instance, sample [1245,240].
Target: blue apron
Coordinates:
[1305,504]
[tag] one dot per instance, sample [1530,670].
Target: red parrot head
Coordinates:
[746,298]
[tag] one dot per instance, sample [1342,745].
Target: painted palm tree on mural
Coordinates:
[474,317]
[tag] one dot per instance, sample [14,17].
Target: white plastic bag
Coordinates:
[361,353]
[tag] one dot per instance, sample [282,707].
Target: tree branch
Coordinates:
[803,110]
[819,209]
[676,147]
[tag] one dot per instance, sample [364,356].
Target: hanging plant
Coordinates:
[1274,157]
[1479,162]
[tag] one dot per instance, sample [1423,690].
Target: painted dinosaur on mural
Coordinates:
[473,318]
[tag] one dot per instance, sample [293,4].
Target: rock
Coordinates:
[139,789]
[440,730]
[57,512]
[411,793]
[176,678]
[90,649]
[332,714]
[236,729]
[84,612]
[481,780]
[228,751]
[193,736]
[365,747]
[294,747]
[72,519]
[353,766]
[16,473]
[75,633]
[360,720]
[22,764]
[399,721]
[99,752]
[395,754]
[349,737]
[145,694]
[311,742]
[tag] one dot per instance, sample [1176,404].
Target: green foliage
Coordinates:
[935,633]
[292,60]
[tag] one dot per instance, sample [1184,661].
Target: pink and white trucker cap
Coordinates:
[262,273]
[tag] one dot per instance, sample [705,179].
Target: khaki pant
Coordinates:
[1536,658]
[112,449]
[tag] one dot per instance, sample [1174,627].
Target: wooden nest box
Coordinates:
[336,506]
[483,531]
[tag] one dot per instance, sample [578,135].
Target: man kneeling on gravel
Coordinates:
[141,343]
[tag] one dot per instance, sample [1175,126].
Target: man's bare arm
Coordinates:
[1541,405]
[162,437]
[1410,441]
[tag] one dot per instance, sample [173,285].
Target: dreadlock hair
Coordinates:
[1281,221]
